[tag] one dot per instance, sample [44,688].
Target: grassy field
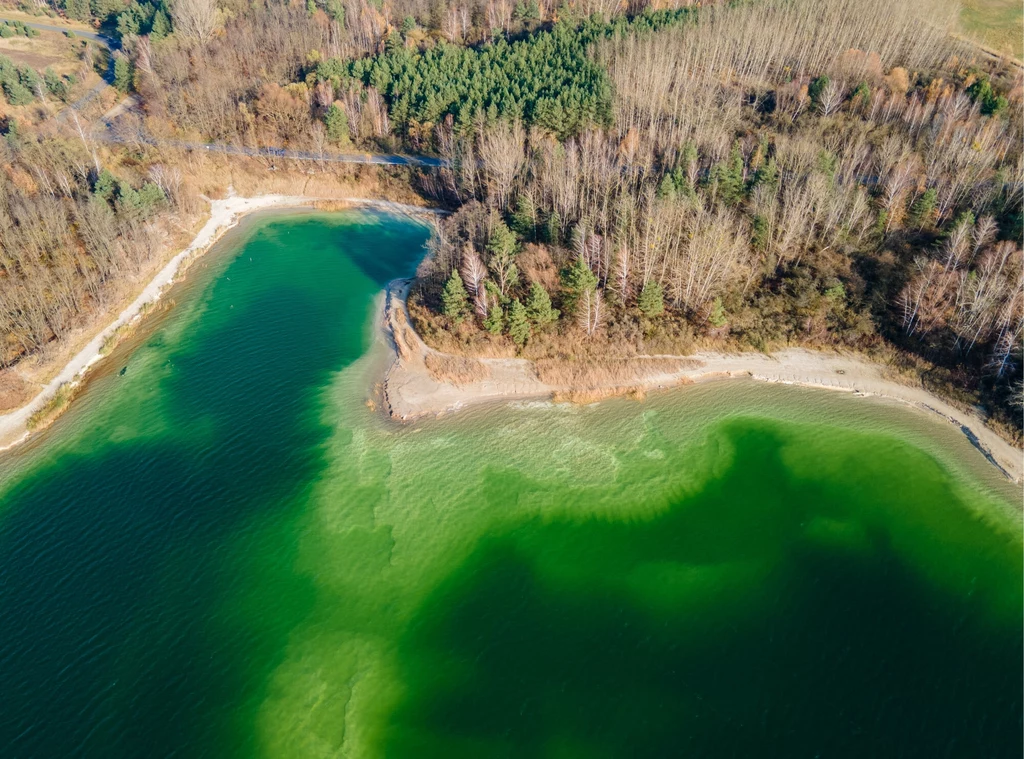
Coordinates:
[49,49]
[996,23]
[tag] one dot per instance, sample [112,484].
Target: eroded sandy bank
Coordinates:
[224,214]
[412,390]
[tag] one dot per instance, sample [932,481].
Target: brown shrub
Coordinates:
[538,267]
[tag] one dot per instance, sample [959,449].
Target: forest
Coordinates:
[625,179]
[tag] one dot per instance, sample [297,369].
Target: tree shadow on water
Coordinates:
[721,629]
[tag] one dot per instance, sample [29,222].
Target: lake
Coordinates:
[224,551]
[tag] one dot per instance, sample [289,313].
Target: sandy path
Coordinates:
[224,214]
[412,392]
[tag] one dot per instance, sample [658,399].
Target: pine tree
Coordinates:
[717,316]
[767,174]
[923,210]
[578,278]
[495,321]
[728,177]
[759,233]
[518,323]
[667,188]
[122,74]
[538,307]
[817,89]
[105,186]
[455,299]
[502,248]
[161,26]
[337,124]
[524,220]
[55,84]
[16,94]
[652,300]
[553,229]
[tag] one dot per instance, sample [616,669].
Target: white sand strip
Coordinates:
[224,214]
[412,392]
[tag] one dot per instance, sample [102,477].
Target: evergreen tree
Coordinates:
[687,167]
[553,229]
[77,9]
[767,174]
[652,300]
[923,209]
[992,104]
[105,186]
[495,321]
[337,124]
[161,26]
[579,279]
[728,177]
[16,93]
[717,316]
[538,307]
[862,95]
[518,323]
[524,220]
[57,86]
[759,233]
[502,242]
[13,134]
[455,299]
[817,89]
[122,74]
[667,188]
[503,247]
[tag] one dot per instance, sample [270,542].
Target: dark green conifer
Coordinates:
[652,300]
[455,299]
[518,323]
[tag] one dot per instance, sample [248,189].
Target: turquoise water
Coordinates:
[225,552]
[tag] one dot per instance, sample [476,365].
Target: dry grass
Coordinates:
[458,370]
[15,391]
[996,23]
[588,375]
[214,173]
[48,50]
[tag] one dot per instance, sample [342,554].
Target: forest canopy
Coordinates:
[547,79]
[624,180]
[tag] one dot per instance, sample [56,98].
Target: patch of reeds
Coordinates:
[54,407]
[457,370]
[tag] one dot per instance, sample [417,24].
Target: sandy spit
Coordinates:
[224,214]
[412,392]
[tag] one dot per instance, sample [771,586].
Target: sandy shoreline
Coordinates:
[224,215]
[411,390]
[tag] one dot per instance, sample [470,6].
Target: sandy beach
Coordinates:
[224,214]
[412,390]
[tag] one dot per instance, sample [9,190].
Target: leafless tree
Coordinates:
[194,19]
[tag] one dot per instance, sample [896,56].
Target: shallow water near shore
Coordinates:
[224,552]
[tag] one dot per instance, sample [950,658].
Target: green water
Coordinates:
[224,552]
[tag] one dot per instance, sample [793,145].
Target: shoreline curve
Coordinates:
[411,391]
[225,214]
